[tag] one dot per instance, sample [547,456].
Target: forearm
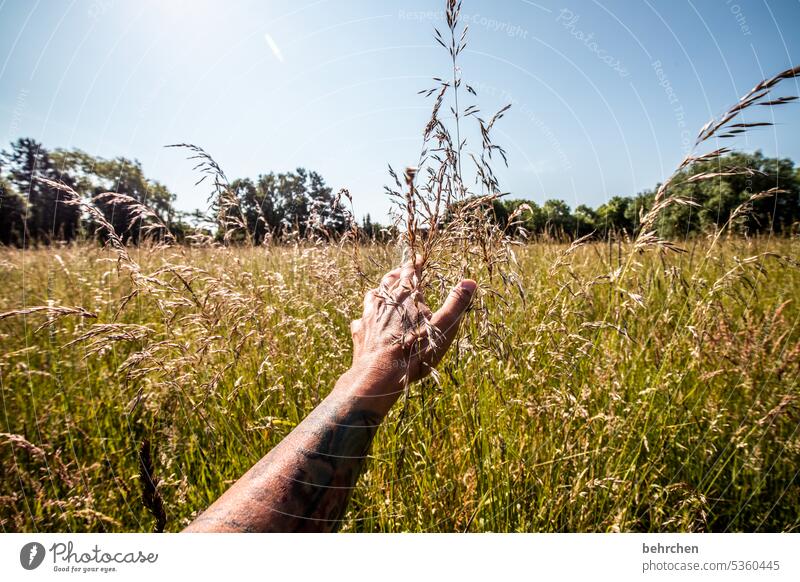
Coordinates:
[305,482]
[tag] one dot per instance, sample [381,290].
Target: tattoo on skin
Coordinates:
[309,491]
[320,488]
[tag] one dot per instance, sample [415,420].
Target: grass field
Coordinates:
[611,391]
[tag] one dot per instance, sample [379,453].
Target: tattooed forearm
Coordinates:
[303,484]
[317,489]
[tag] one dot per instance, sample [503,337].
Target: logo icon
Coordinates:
[31,555]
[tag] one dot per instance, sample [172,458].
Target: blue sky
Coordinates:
[606,95]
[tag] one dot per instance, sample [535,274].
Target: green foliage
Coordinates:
[615,215]
[47,218]
[275,204]
[12,214]
[97,176]
[717,199]
[271,206]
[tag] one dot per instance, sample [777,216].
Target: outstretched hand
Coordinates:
[398,339]
[304,483]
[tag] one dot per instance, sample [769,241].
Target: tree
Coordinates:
[559,220]
[12,215]
[734,179]
[614,215]
[95,176]
[48,217]
[288,202]
[639,206]
[330,215]
[585,220]
[500,212]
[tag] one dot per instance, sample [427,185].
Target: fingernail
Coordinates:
[468,285]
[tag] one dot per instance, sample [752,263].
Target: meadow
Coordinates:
[593,387]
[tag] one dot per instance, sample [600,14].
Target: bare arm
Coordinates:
[304,483]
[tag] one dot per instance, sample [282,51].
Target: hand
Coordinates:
[398,339]
[305,482]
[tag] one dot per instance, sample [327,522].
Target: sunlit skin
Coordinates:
[305,482]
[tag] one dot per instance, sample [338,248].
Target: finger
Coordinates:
[447,319]
[372,300]
[390,279]
[415,318]
[409,279]
[424,310]
[355,330]
[415,304]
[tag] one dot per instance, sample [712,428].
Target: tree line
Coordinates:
[763,194]
[33,211]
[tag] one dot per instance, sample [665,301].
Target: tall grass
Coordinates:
[669,405]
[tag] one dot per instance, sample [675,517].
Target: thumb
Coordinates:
[448,317]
